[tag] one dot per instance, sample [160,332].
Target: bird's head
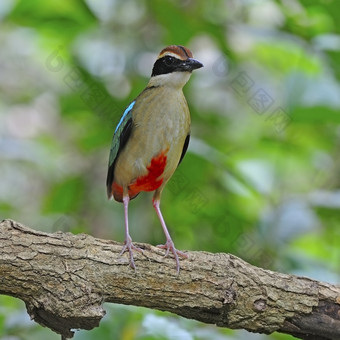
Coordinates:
[173,66]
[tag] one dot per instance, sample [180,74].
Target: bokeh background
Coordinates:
[261,177]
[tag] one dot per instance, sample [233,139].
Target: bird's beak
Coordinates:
[191,64]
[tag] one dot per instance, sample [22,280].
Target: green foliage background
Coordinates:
[261,177]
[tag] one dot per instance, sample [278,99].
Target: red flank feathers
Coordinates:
[149,182]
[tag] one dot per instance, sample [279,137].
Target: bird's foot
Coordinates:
[129,246]
[169,246]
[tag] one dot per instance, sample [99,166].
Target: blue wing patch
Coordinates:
[127,110]
[120,137]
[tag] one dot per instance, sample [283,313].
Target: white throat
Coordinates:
[174,79]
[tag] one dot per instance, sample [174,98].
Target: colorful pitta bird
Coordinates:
[151,139]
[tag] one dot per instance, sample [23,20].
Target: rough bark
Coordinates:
[64,280]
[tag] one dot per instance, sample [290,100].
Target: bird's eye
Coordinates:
[169,60]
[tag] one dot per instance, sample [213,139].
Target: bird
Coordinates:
[151,139]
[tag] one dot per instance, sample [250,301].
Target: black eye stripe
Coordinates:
[168,60]
[166,64]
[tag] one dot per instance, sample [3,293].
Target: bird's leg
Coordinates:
[128,245]
[169,245]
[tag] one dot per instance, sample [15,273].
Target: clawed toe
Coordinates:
[169,246]
[129,246]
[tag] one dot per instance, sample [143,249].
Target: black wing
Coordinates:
[185,148]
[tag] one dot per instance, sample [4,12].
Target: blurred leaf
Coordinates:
[315,115]
[72,16]
[284,56]
[66,196]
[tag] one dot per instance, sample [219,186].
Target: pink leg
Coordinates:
[128,245]
[169,245]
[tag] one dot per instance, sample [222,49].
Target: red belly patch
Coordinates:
[149,182]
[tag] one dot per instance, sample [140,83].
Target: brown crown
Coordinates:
[177,51]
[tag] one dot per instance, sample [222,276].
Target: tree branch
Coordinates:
[64,280]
